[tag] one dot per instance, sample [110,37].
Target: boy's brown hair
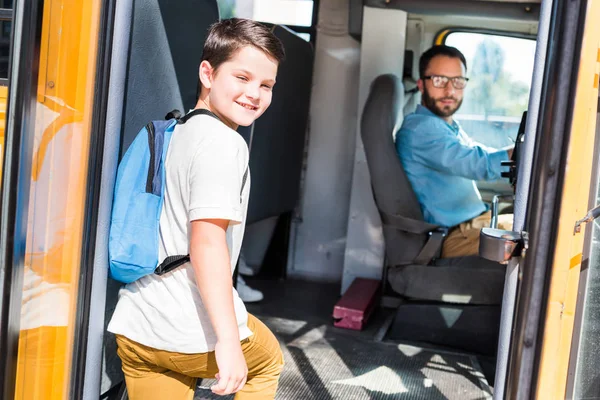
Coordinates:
[228,36]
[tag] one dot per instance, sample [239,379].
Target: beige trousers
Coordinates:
[152,374]
[463,240]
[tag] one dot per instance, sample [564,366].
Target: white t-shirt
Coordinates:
[205,165]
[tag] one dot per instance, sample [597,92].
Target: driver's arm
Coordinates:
[445,152]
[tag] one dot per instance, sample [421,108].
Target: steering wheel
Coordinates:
[511,174]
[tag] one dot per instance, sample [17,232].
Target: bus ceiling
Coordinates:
[517,11]
[524,11]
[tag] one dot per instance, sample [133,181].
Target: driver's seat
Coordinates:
[414,271]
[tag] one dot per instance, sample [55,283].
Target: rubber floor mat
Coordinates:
[323,363]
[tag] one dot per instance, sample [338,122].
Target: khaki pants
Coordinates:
[463,240]
[153,374]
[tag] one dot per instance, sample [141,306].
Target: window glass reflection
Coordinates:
[5,31]
[500,69]
[57,198]
[283,12]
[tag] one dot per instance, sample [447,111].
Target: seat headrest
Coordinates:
[384,104]
[392,190]
[380,121]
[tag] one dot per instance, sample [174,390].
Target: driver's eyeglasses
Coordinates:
[440,81]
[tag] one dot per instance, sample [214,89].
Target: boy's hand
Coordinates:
[233,370]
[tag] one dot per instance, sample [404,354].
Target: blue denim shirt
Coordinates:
[442,164]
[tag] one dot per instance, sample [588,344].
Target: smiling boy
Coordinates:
[190,323]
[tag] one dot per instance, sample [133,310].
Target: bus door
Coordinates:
[51,148]
[560,192]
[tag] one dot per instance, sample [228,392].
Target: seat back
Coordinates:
[278,137]
[455,280]
[165,52]
[392,190]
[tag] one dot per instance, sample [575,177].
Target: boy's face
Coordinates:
[240,90]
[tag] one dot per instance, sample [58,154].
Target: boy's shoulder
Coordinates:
[207,123]
[210,129]
[207,136]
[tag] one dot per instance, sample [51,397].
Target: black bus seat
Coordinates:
[277,141]
[165,52]
[464,290]
[411,243]
[278,136]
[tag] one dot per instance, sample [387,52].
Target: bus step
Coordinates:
[355,307]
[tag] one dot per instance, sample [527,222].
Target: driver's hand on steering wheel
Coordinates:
[510,152]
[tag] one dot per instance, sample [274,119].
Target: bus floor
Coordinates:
[324,362]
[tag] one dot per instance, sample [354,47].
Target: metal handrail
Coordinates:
[495,201]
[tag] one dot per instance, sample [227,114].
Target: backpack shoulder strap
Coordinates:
[156,144]
[197,111]
[175,114]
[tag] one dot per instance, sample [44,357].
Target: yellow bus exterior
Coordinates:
[562,300]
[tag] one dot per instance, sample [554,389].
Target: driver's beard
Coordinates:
[431,104]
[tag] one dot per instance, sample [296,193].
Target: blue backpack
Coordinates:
[138,201]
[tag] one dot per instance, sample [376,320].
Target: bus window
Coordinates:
[298,15]
[499,70]
[284,12]
[5,27]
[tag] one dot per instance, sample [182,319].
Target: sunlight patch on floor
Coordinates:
[383,380]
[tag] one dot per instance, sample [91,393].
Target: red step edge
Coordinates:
[355,307]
